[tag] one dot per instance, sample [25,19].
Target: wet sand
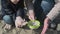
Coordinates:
[26,31]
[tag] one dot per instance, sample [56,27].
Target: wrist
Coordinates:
[14,1]
[31,12]
[18,17]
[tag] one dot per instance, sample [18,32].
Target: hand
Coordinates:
[31,15]
[15,1]
[46,21]
[19,22]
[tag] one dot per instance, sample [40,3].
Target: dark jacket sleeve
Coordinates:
[6,8]
[29,4]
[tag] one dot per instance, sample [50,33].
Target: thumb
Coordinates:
[16,24]
[31,18]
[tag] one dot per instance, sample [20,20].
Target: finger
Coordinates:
[19,26]
[16,24]
[30,18]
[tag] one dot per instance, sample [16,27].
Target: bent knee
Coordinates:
[7,19]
